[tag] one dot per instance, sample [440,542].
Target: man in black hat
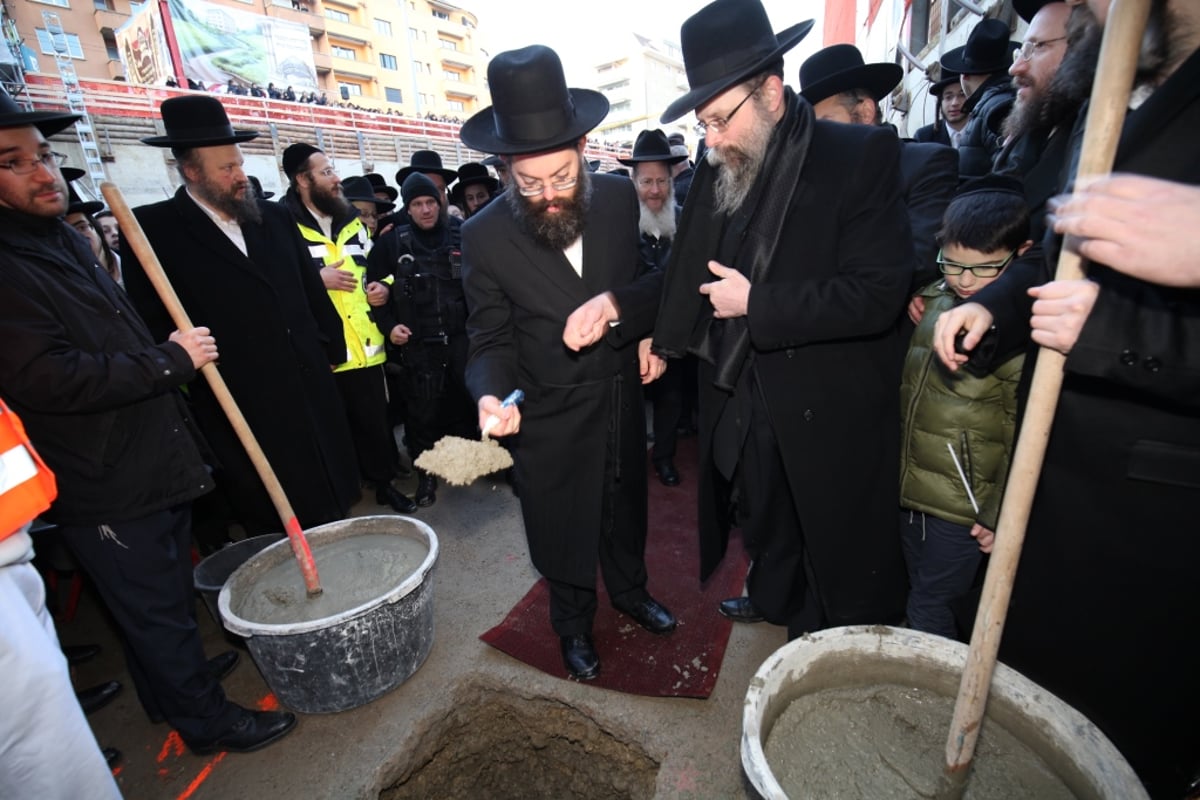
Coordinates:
[949,118]
[843,89]
[337,243]
[982,64]
[382,190]
[99,399]
[429,164]
[559,307]
[682,172]
[425,318]
[370,203]
[239,264]
[474,188]
[784,280]
[497,163]
[652,161]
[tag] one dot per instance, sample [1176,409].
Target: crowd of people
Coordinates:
[847,320]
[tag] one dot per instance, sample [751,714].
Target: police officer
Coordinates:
[425,321]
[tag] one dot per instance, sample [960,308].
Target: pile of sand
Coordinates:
[459,461]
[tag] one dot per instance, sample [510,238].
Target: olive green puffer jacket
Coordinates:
[976,416]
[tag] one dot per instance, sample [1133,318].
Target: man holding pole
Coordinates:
[100,402]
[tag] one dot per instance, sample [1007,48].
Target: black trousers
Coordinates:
[143,571]
[674,400]
[435,394]
[364,393]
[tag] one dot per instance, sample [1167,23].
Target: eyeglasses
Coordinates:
[328,172]
[646,183]
[719,126]
[533,190]
[1030,48]
[28,166]
[949,267]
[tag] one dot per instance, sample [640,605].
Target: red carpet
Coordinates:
[684,663]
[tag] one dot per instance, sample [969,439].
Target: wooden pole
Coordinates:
[136,237]
[1106,115]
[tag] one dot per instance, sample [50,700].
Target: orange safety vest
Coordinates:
[27,486]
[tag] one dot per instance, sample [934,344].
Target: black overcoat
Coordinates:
[278,334]
[578,406]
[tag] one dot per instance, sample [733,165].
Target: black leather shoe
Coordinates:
[579,656]
[97,697]
[221,665]
[667,472]
[389,495]
[254,729]
[740,609]
[111,756]
[651,615]
[427,484]
[79,653]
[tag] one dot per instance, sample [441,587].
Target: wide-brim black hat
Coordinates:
[48,122]
[840,68]
[196,121]
[988,49]
[532,109]
[1027,8]
[652,146]
[360,189]
[379,184]
[259,192]
[76,204]
[948,79]
[475,173]
[425,162]
[724,43]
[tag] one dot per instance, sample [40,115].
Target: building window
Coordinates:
[68,41]
[447,44]
[451,75]
[440,14]
[349,89]
[393,95]
[383,27]
[334,14]
[104,5]
[387,61]
[110,45]
[921,26]
[620,107]
[455,105]
[343,52]
[59,3]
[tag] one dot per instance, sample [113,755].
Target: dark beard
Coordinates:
[328,203]
[244,210]
[555,231]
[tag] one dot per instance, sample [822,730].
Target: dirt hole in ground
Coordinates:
[495,745]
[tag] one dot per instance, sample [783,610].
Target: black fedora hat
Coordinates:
[196,121]
[948,79]
[532,109]
[988,49]
[379,184]
[475,173]
[840,68]
[724,43]
[76,204]
[259,192]
[360,189]
[1027,8]
[48,122]
[425,162]
[652,146]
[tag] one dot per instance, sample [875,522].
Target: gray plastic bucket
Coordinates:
[210,575]
[349,658]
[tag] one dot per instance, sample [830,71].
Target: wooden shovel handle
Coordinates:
[166,293]
[1106,115]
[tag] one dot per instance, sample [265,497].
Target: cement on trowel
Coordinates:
[353,571]
[888,741]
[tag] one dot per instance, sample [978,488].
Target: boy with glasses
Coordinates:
[957,427]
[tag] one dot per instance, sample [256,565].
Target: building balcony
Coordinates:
[363,70]
[348,32]
[322,61]
[109,21]
[297,12]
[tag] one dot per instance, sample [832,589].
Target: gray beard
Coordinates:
[738,168]
[659,224]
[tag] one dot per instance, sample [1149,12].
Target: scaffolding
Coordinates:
[94,165]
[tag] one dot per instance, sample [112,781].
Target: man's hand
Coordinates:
[588,323]
[338,279]
[729,294]
[650,365]
[198,343]
[1060,309]
[509,416]
[916,309]
[400,335]
[377,293]
[984,536]
[970,317]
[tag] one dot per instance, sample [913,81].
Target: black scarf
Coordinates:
[685,316]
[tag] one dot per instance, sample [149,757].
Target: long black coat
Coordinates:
[1106,606]
[928,178]
[519,295]
[277,334]
[823,334]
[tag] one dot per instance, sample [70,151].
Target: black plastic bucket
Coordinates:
[210,575]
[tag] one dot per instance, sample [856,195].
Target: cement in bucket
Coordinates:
[1078,754]
[365,635]
[211,573]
